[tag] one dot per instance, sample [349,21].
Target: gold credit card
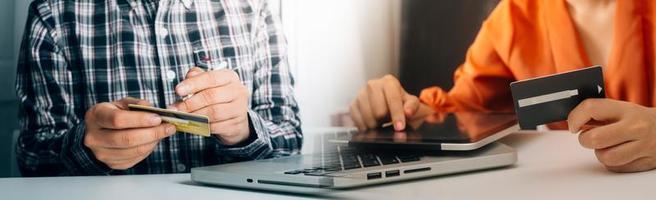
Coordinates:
[183,122]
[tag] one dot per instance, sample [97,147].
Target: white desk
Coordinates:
[550,166]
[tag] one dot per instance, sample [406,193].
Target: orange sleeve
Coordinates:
[481,83]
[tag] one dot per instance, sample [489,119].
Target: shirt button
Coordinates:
[181,167]
[170,75]
[222,65]
[162,31]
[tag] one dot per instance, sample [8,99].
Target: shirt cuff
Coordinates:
[259,145]
[78,159]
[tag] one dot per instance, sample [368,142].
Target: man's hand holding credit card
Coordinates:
[213,101]
[219,95]
[122,133]
[121,138]
[184,122]
[551,98]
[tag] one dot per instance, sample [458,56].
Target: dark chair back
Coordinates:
[435,36]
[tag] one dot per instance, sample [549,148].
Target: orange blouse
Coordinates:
[522,39]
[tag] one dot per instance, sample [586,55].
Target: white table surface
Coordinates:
[551,166]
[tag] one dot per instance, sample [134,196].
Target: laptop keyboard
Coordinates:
[337,157]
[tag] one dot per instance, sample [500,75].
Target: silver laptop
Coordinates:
[346,158]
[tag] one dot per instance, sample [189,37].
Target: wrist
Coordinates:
[247,135]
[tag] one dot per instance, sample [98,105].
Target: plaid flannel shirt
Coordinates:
[77,53]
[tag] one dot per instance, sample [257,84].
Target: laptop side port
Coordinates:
[374,175]
[417,170]
[392,173]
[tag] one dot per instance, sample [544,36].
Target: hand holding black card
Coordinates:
[550,98]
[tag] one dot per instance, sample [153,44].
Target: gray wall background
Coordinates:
[12,22]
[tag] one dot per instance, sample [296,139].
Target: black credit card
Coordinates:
[547,99]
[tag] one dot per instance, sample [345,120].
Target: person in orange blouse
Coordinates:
[522,39]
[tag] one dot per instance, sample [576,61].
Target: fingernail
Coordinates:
[183,89]
[192,72]
[170,129]
[155,119]
[399,126]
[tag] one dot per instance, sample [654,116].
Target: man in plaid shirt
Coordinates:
[83,61]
